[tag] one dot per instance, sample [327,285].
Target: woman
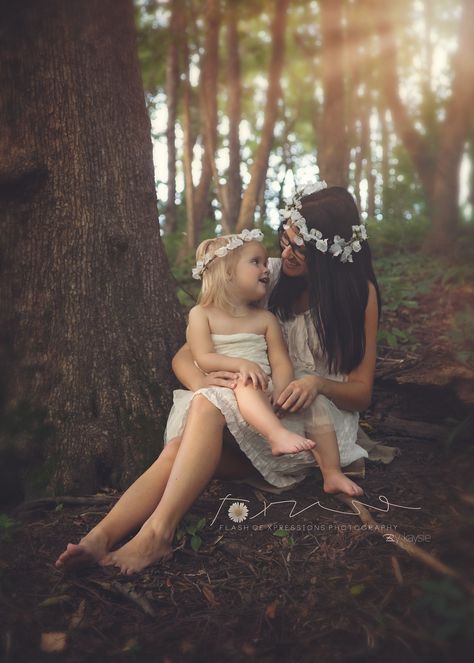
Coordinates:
[328,301]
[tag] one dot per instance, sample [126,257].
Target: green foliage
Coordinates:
[462,336]
[190,530]
[7,526]
[450,608]
[285,535]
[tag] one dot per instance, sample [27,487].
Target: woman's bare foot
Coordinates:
[336,482]
[147,547]
[286,442]
[90,550]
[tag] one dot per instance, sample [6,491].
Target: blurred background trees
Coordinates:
[246,96]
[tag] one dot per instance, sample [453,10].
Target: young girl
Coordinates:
[227,331]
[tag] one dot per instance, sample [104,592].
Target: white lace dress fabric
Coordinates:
[322,416]
[305,354]
[280,471]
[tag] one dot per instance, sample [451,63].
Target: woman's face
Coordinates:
[292,254]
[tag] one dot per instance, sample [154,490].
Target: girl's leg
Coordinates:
[326,454]
[195,464]
[257,411]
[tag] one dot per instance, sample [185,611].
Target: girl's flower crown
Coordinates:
[339,247]
[234,242]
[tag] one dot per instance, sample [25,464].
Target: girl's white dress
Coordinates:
[322,416]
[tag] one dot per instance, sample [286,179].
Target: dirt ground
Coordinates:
[312,583]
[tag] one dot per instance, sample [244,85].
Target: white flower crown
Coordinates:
[339,247]
[234,242]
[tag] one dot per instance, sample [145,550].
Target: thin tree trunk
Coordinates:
[191,230]
[172,88]
[260,162]
[385,167]
[333,155]
[454,133]
[89,317]
[471,174]
[367,151]
[234,181]
[209,99]
[419,150]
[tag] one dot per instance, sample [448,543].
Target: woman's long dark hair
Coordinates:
[338,292]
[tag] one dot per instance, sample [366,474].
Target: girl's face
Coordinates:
[251,275]
[292,254]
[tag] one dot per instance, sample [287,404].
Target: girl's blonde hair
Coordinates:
[216,279]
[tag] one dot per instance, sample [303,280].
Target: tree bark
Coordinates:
[438,173]
[419,150]
[333,158]
[191,229]
[454,133]
[260,162]
[234,181]
[209,99]
[172,88]
[89,318]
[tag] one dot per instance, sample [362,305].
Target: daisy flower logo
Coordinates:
[238,512]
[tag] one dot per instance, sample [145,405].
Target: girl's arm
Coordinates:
[278,358]
[193,378]
[356,393]
[199,339]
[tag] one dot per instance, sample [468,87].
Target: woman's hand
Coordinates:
[249,370]
[298,395]
[220,379]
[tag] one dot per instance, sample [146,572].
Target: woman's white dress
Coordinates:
[287,470]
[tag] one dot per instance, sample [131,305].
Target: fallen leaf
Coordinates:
[209,594]
[270,610]
[78,616]
[53,642]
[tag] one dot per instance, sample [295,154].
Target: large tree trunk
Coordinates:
[260,162]
[89,318]
[333,158]
[172,87]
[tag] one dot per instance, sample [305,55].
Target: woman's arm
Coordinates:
[193,378]
[278,358]
[356,393]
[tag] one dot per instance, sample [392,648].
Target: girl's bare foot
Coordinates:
[147,547]
[90,550]
[286,442]
[336,482]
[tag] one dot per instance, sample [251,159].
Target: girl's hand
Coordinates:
[299,394]
[249,370]
[221,379]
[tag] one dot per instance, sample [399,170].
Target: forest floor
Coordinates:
[312,584]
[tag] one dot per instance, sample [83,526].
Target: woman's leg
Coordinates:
[255,408]
[129,513]
[195,464]
[143,496]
